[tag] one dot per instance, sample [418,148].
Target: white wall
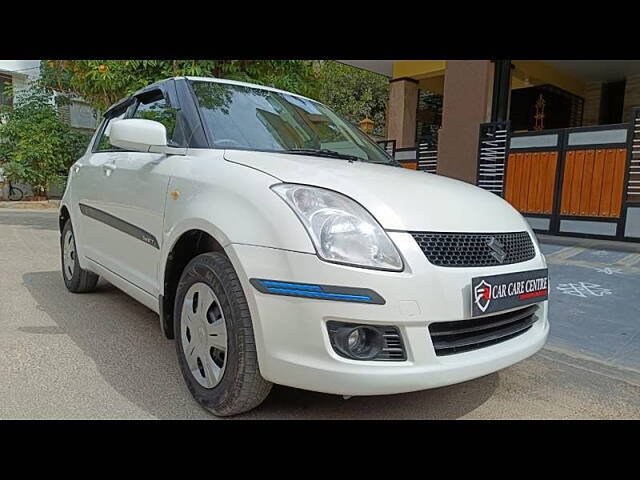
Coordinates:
[82,115]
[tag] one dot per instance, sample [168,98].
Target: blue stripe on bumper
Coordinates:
[296,286]
[359,298]
[320,292]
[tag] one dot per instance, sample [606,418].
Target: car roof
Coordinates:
[244,84]
[154,85]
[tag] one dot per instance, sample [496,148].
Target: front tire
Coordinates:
[214,338]
[75,278]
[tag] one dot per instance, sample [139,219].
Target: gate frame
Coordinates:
[635,137]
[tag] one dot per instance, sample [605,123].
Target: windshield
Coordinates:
[239,117]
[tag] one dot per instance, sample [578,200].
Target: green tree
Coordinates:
[354,93]
[104,82]
[36,146]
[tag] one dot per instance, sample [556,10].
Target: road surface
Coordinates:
[102,356]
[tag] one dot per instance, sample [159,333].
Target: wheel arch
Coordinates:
[63,216]
[191,241]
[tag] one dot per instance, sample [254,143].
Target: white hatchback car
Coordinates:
[279,244]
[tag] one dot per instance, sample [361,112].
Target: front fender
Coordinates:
[234,205]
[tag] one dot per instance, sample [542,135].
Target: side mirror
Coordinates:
[142,135]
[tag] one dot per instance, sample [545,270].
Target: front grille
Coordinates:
[472,249]
[466,335]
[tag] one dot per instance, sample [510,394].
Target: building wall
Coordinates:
[631,96]
[418,69]
[537,72]
[401,112]
[592,98]
[81,115]
[467,97]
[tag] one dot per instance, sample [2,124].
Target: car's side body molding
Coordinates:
[119,224]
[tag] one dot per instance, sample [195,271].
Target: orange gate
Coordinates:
[572,181]
[531,181]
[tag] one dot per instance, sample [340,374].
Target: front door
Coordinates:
[92,192]
[123,198]
[137,193]
[138,185]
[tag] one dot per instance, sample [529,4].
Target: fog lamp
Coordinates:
[359,342]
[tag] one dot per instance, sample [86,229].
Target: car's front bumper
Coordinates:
[293,343]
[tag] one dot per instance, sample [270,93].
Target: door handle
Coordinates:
[108,168]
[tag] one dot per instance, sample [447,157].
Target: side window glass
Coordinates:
[103,144]
[158,110]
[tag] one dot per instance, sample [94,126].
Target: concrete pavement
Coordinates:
[101,355]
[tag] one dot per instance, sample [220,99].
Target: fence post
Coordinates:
[492,156]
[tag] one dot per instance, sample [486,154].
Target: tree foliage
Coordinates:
[104,82]
[354,93]
[36,145]
[350,91]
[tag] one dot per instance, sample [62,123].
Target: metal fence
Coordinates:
[423,156]
[492,156]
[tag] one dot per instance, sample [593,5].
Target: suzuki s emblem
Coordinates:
[498,249]
[482,295]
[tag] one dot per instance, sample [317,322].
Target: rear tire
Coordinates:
[75,278]
[214,338]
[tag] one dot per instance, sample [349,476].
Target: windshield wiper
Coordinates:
[323,152]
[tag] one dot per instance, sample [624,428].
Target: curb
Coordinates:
[42,205]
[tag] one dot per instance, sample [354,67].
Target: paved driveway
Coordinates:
[596,303]
[101,355]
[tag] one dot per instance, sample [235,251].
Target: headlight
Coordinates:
[341,230]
